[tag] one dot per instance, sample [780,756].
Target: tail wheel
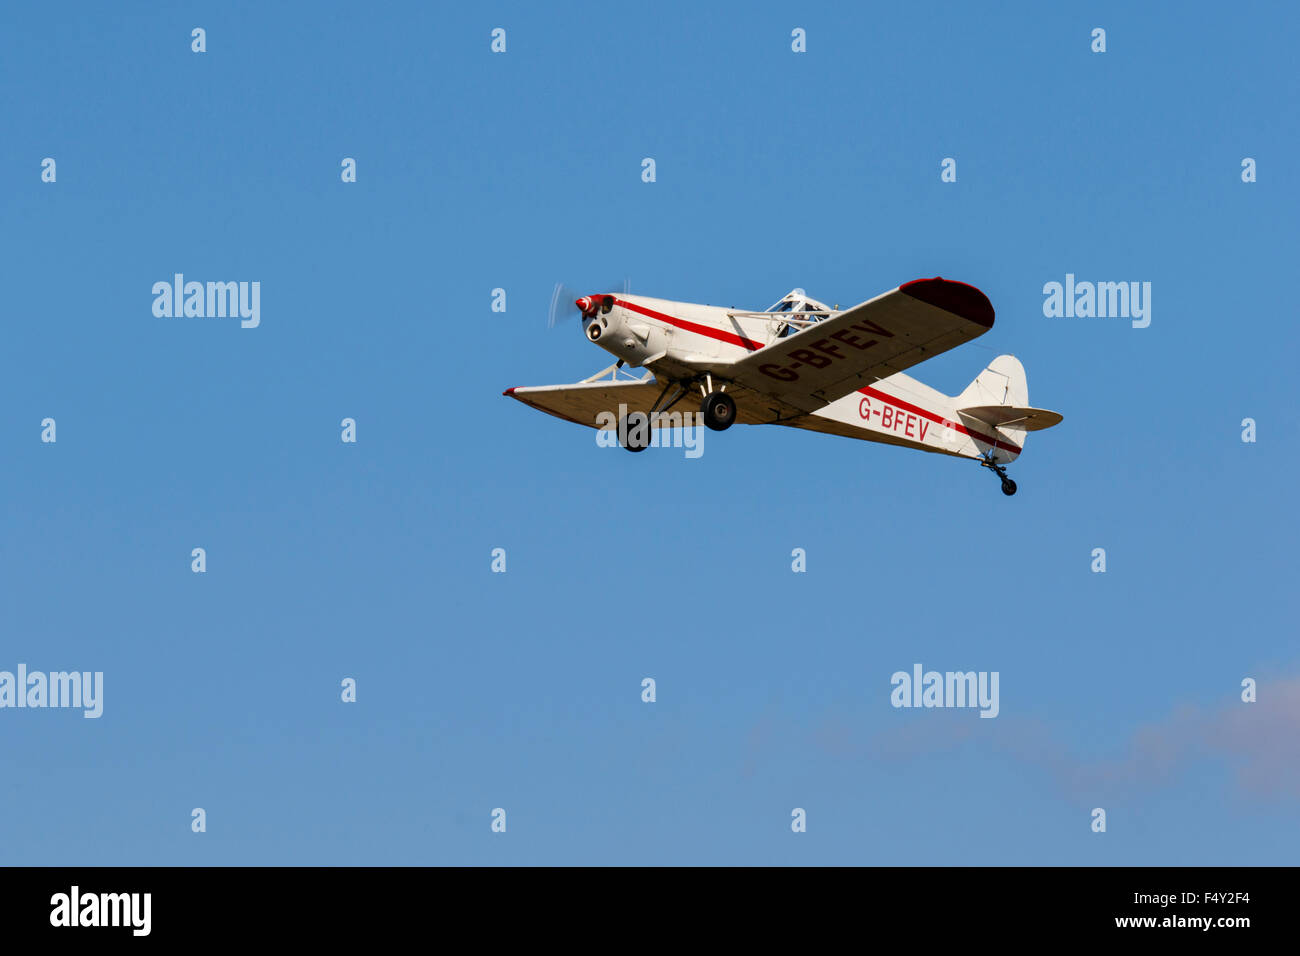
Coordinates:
[1008,486]
[719,410]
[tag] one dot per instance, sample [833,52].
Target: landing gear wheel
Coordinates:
[634,431]
[1008,486]
[719,411]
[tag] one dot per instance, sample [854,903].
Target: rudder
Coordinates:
[1002,383]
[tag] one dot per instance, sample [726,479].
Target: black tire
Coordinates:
[719,411]
[1008,487]
[628,429]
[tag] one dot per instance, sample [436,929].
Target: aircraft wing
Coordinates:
[871,341]
[584,402]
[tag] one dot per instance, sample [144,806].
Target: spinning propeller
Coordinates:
[567,301]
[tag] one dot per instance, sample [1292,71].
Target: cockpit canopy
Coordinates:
[797,301]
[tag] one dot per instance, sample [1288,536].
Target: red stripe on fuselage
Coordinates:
[938,419]
[721,335]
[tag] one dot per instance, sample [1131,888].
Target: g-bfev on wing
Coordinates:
[803,365]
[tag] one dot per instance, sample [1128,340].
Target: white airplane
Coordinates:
[804,365]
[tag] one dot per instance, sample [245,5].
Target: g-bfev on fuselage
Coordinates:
[803,365]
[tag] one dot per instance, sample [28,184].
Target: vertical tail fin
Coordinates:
[1002,383]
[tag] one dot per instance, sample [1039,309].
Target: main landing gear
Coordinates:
[1008,486]
[718,408]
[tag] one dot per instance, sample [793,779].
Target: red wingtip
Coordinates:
[955,297]
[510,391]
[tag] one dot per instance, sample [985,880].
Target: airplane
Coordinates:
[804,365]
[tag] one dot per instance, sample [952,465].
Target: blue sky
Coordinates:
[522,690]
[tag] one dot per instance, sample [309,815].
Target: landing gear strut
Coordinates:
[1008,486]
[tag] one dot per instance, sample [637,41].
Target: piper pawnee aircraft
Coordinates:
[804,365]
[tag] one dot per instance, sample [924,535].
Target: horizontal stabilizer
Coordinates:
[1011,416]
